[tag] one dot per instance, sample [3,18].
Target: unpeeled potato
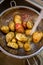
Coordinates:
[20,44]
[9,36]
[13,40]
[27,32]
[37,36]
[13,45]
[29,24]
[24,24]
[27,46]
[17,19]
[19,28]
[12,26]
[21,37]
[5,29]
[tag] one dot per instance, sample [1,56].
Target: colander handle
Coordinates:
[12,2]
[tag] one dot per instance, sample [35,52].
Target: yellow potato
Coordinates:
[13,40]
[37,37]
[21,37]
[12,26]
[27,46]
[29,39]
[29,24]
[20,44]
[27,32]
[13,45]
[17,19]
[9,36]
[5,29]
[42,33]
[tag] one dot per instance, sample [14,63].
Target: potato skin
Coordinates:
[9,36]
[5,29]
[17,19]
[21,37]
[13,40]
[24,24]
[30,39]
[27,32]
[19,28]
[27,46]
[13,45]
[20,44]
[42,33]
[37,37]
[29,24]
[12,26]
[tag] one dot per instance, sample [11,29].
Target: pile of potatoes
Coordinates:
[18,33]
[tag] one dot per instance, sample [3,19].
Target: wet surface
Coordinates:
[4,59]
[6,16]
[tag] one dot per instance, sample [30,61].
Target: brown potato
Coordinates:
[13,45]
[12,26]
[27,32]
[9,36]
[37,37]
[29,24]
[17,19]
[5,29]
[20,44]
[27,46]
[21,37]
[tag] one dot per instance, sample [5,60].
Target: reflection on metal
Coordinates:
[1,1]
[36,60]
[28,62]
[38,3]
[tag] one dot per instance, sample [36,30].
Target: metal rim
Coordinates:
[41,7]
[19,7]
[15,56]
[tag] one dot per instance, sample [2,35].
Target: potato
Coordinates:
[13,40]
[42,33]
[21,37]
[27,46]
[24,24]
[12,26]
[29,24]
[20,44]
[9,36]
[29,39]
[13,45]
[5,29]
[27,32]
[37,37]
[19,28]
[17,19]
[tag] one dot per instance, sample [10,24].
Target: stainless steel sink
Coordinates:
[4,59]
